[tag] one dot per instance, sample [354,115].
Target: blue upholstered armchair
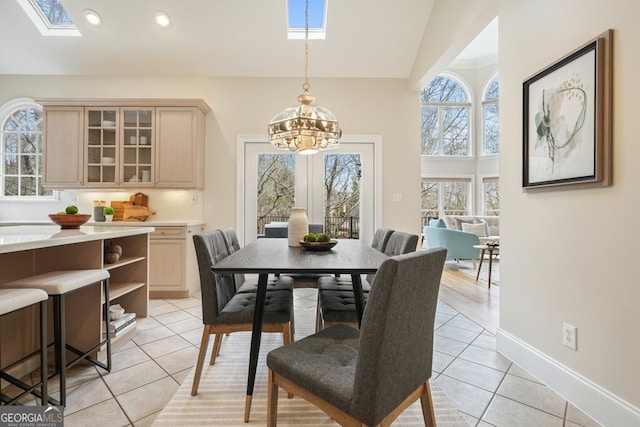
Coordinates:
[459,244]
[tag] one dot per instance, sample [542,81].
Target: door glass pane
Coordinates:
[275,188]
[342,195]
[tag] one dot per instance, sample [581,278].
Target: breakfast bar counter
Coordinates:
[34,249]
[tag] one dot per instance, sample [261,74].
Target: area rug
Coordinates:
[221,395]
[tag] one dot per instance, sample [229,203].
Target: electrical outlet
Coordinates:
[570,336]
[194,200]
[397,197]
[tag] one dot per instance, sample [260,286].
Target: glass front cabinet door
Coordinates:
[119,146]
[137,146]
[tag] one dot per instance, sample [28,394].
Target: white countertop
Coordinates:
[26,237]
[166,223]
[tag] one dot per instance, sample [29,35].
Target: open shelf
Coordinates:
[123,261]
[117,289]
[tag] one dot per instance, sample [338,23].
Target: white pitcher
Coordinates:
[297,226]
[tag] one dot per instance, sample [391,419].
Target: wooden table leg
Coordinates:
[480,266]
[256,334]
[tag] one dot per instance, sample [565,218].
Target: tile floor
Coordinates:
[487,388]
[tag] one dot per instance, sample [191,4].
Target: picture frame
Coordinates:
[567,120]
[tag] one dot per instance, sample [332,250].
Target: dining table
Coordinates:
[274,256]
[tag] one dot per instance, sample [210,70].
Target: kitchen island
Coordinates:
[34,249]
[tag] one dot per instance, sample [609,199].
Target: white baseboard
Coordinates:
[600,404]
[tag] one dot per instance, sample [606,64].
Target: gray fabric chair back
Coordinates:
[396,338]
[401,243]
[216,289]
[233,245]
[381,238]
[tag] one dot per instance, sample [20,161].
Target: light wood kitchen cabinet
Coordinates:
[173,268]
[180,147]
[63,156]
[130,143]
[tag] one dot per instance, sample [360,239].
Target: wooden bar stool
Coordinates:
[12,300]
[58,284]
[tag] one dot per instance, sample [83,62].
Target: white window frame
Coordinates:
[469,179]
[485,102]
[440,106]
[6,111]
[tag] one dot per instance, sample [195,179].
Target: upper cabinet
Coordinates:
[124,143]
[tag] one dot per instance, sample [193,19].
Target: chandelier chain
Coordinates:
[306,84]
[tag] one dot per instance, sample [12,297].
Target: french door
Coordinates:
[336,187]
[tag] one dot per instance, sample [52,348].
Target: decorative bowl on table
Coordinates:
[318,246]
[68,221]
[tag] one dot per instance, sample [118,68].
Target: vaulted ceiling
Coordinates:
[365,38]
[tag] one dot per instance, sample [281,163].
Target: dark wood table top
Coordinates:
[276,256]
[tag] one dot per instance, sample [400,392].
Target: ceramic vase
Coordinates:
[297,226]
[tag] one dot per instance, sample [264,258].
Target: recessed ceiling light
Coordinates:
[93,17]
[162,18]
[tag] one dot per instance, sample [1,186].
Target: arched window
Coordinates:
[445,118]
[491,118]
[21,150]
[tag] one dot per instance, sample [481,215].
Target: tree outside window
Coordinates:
[445,196]
[491,115]
[445,118]
[491,196]
[21,153]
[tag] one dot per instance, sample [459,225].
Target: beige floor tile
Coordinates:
[149,399]
[533,394]
[147,421]
[157,307]
[577,416]
[184,303]
[518,371]
[440,361]
[84,395]
[195,312]
[469,399]
[179,377]
[134,377]
[165,346]
[178,360]
[186,325]
[486,357]
[455,333]
[154,334]
[194,336]
[448,346]
[107,413]
[463,322]
[503,412]
[475,374]
[127,358]
[173,316]
[485,340]
[148,322]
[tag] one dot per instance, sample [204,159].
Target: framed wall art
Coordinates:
[567,120]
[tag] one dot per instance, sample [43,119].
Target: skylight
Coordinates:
[49,17]
[296,19]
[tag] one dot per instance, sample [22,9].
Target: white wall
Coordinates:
[569,256]
[244,106]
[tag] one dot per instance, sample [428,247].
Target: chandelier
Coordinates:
[306,128]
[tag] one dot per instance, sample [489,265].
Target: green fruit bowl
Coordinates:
[69,221]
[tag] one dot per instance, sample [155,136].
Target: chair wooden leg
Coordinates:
[203,351]
[293,326]
[427,406]
[272,401]
[217,342]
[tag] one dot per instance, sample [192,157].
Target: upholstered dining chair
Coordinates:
[369,377]
[224,310]
[336,304]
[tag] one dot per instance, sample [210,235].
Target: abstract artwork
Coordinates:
[567,114]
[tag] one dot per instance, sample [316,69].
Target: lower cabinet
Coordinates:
[173,268]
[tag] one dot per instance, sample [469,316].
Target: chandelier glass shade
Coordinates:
[306,128]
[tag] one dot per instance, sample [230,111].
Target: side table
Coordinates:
[491,249]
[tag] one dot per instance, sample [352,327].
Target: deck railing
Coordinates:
[347,227]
